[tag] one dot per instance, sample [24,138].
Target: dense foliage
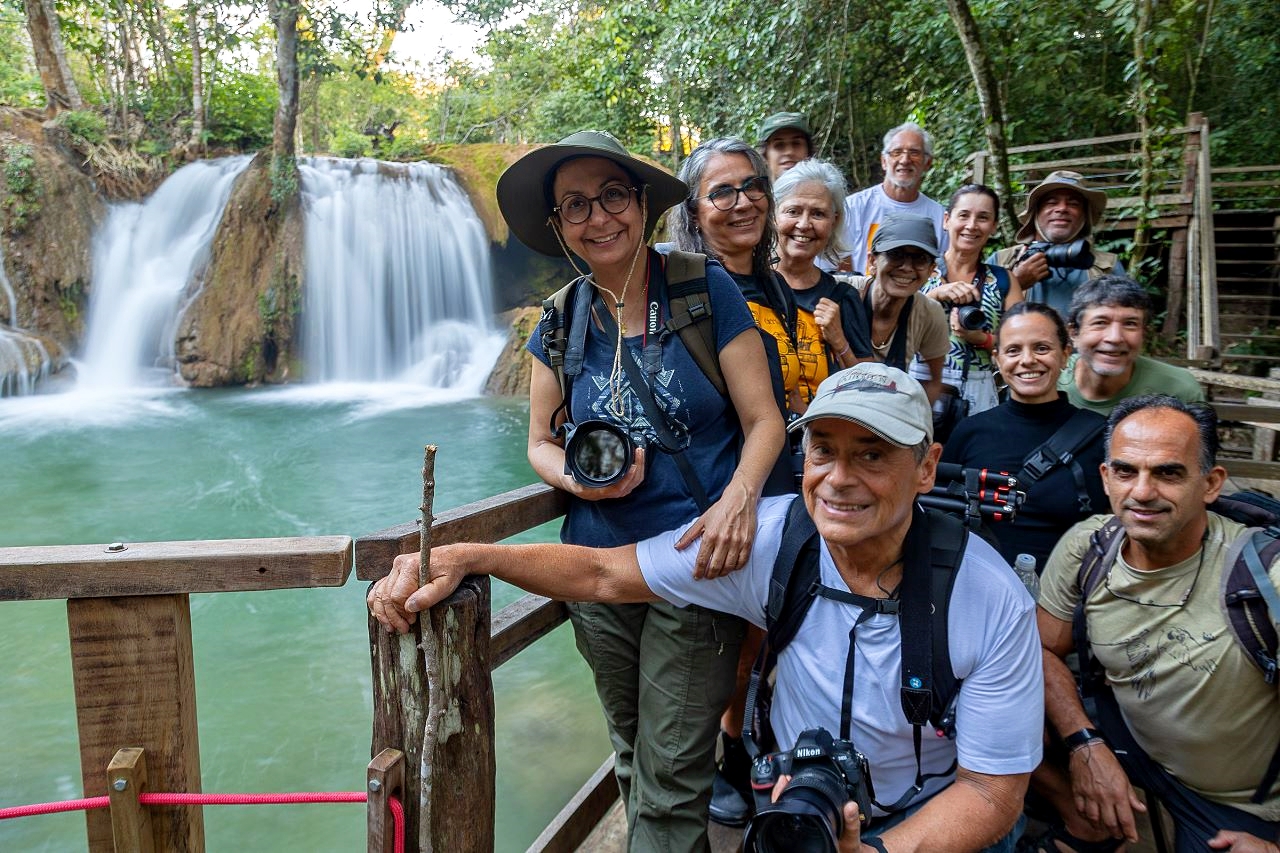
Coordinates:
[648,70]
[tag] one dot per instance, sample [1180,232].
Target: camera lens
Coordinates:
[597,453]
[806,818]
[793,832]
[971,317]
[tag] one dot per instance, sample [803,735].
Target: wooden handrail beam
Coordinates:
[173,568]
[518,625]
[489,520]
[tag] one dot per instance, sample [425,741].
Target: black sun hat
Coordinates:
[524,190]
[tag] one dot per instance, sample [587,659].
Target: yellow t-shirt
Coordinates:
[804,362]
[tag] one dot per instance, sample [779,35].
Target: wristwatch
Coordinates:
[1085,736]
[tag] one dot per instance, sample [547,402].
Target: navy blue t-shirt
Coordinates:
[695,411]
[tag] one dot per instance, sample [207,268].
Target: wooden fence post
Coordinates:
[135,683]
[385,780]
[433,699]
[130,820]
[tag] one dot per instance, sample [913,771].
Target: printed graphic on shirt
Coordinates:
[632,416]
[1139,659]
[811,352]
[769,321]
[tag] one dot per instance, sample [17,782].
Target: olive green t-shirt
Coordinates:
[1149,377]
[1186,688]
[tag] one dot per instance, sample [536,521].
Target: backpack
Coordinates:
[932,553]
[690,307]
[1061,449]
[1249,601]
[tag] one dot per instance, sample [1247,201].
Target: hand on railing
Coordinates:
[396,600]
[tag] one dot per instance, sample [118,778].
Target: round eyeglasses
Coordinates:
[575,208]
[725,198]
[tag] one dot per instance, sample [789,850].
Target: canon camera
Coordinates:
[1069,256]
[808,816]
[597,453]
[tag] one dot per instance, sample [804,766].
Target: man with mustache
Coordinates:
[1181,710]
[1108,320]
[1061,209]
[906,157]
[869,453]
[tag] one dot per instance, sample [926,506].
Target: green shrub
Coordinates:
[348,143]
[241,111]
[84,126]
[22,186]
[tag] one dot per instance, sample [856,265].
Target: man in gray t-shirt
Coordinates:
[868,454]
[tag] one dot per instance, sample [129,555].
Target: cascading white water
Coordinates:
[397,276]
[19,352]
[143,259]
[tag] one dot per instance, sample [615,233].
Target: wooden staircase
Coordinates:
[1248,276]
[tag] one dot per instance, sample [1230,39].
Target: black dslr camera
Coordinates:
[808,816]
[1070,256]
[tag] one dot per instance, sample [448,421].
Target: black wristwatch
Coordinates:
[875,843]
[1075,740]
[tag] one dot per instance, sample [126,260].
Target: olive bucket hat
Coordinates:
[524,190]
[1096,199]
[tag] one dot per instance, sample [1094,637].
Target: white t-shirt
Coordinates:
[866,209]
[995,650]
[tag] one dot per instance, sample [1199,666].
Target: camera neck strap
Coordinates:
[644,393]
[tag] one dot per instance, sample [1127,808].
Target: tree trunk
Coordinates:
[60,88]
[197,79]
[284,166]
[984,80]
[1143,102]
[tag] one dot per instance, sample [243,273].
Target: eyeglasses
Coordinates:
[903,257]
[909,153]
[726,198]
[576,208]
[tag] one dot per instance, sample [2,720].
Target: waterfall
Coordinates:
[19,352]
[143,259]
[397,276]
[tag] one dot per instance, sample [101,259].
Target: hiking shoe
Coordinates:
[732,803]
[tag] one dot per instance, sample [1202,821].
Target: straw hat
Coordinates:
[524,190]
[1064,180]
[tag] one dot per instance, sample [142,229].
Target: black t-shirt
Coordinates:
[1000,439]
[853,314]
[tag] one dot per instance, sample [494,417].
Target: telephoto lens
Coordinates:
[971,317]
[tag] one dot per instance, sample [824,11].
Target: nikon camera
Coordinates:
[808,816]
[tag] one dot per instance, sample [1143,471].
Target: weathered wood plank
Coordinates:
[134,681]
[489,520]
[385,780]
[130,820]
[518,625]
[171,568]
[1252,470]
[1257,413]
[461,768]
[1235,380]
[580,815]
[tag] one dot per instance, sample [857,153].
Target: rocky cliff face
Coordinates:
[48,211]
[239,329]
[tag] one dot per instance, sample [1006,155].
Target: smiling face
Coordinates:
[1031,357]
[1060,216]
[970,222]
[1156,487]
[784,149]
[734,233]
[859,489]
[806,220]
[905,162]
[900,272]
[1109,339]
[605,240]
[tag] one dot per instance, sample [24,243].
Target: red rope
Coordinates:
[397,810]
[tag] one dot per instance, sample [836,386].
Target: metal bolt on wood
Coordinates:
[120,784]
[375,785]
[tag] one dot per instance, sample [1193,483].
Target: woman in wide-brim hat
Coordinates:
[588,199]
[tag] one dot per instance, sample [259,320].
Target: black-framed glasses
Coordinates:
[725,198]
[575,208]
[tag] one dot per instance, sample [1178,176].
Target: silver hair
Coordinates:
[912,127]
[682,220]
[815,171]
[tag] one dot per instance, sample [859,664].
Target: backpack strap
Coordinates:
[1104,548]
[565,314]
[691,318]
[1060,449]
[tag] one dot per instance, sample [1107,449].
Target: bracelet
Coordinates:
[990,342]
[1082,738]
[843,352]
[875,843]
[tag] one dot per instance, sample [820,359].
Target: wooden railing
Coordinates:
[129,617]
[458,815]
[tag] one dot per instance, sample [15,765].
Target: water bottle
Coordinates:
[1024,566]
